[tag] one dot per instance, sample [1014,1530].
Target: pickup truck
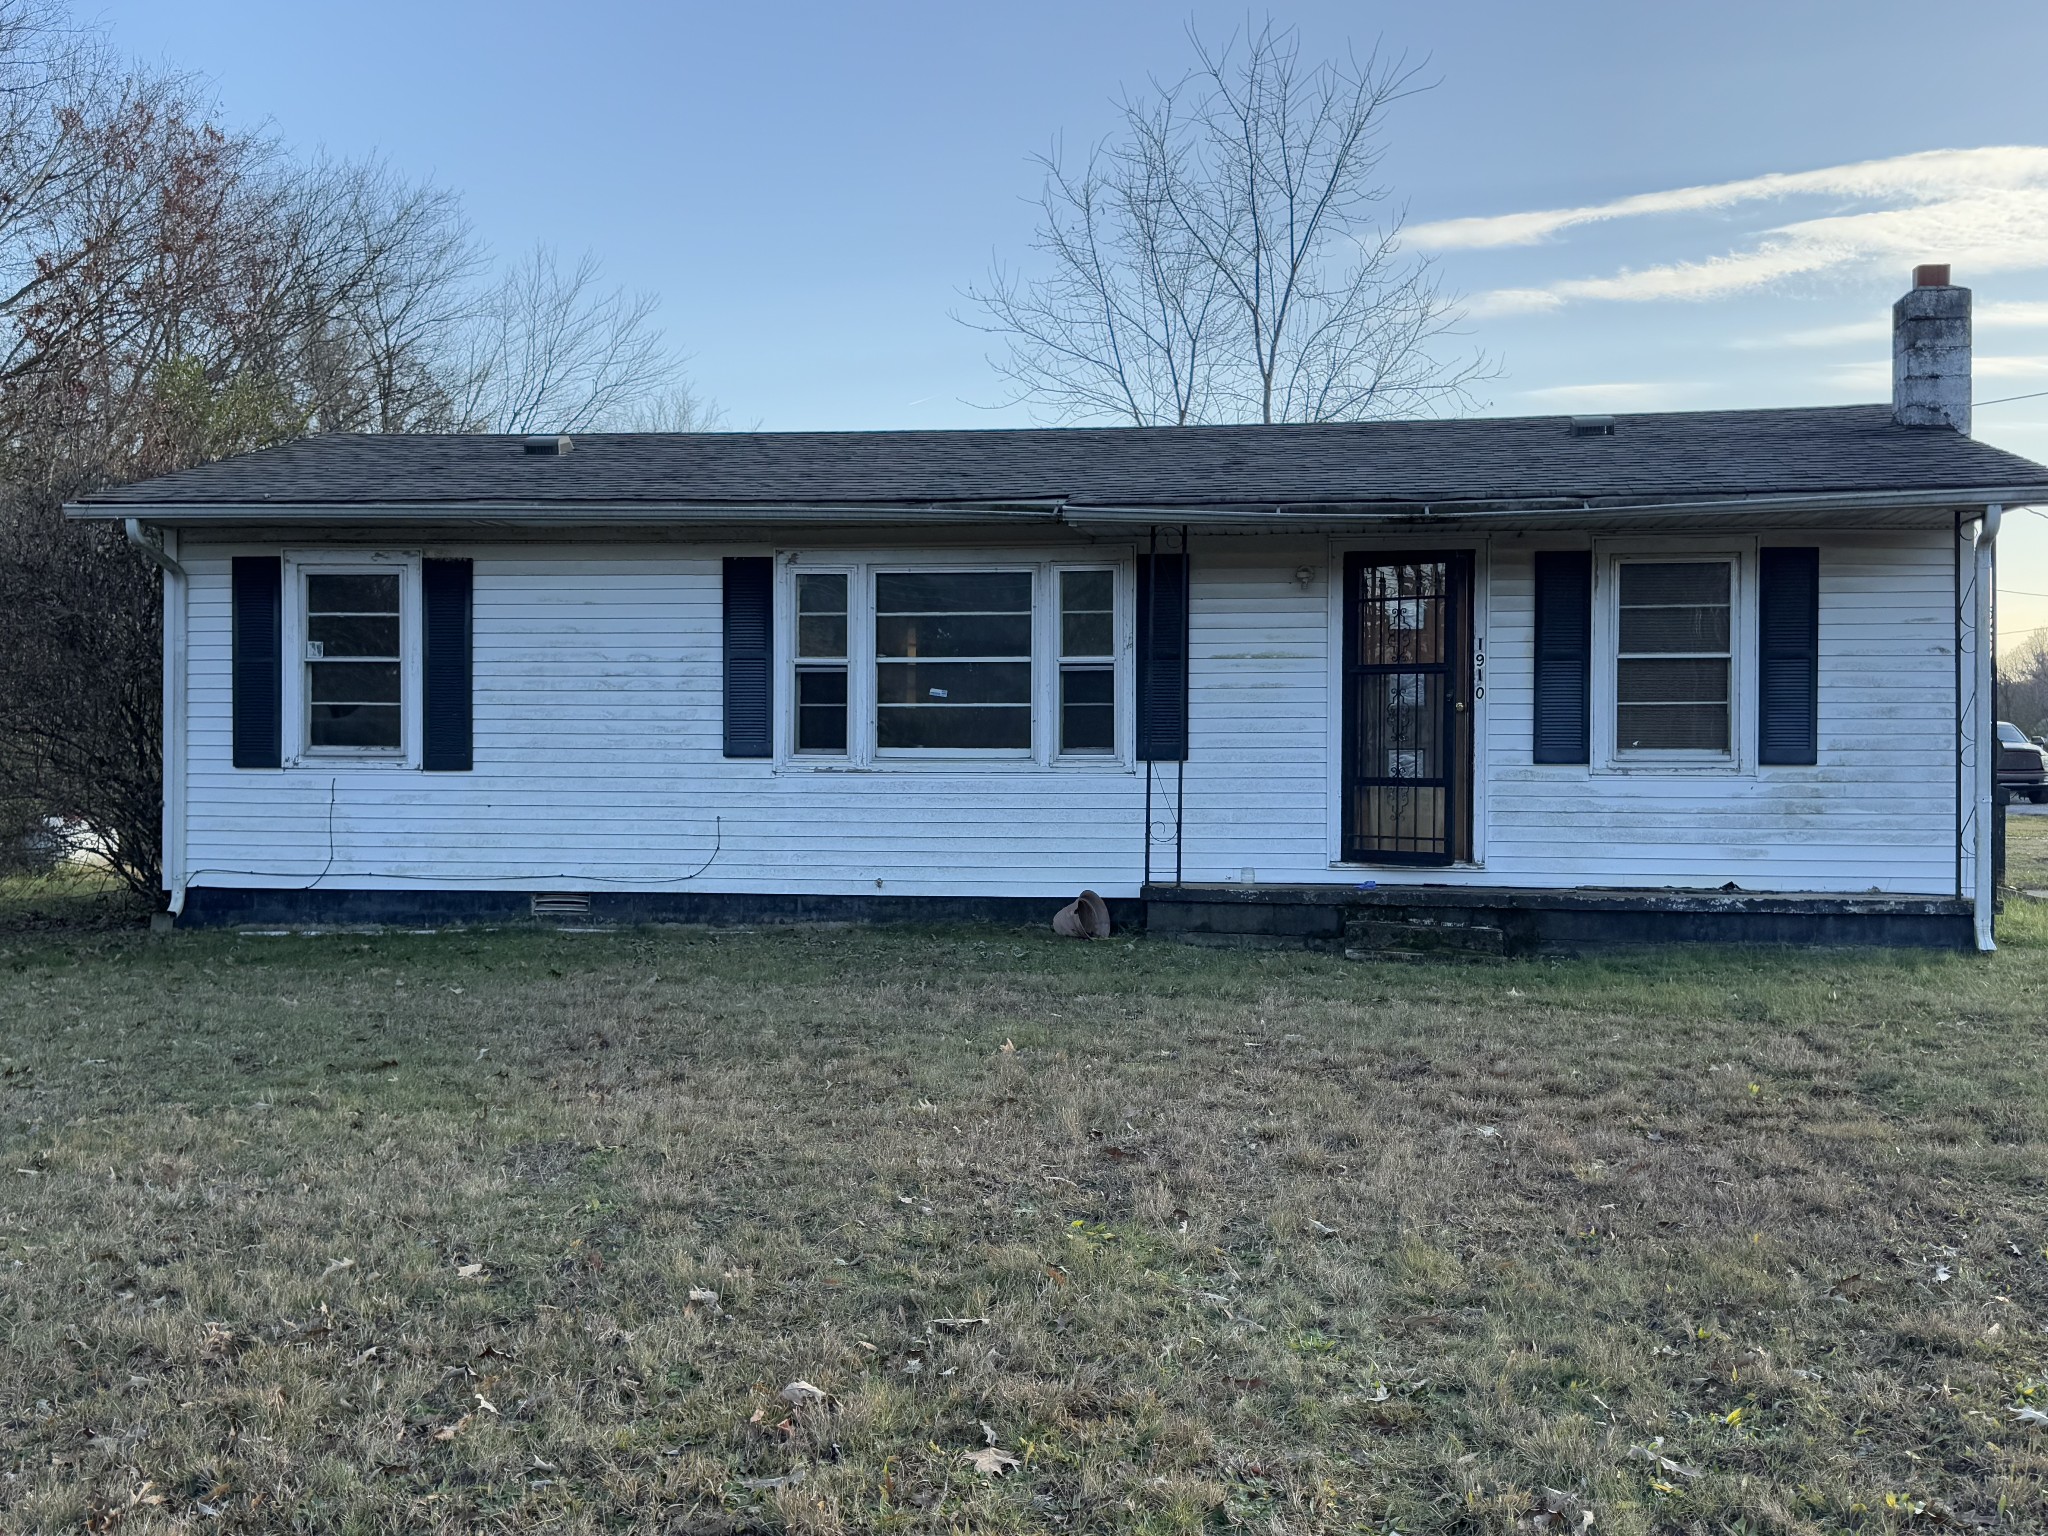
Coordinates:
[2022,766]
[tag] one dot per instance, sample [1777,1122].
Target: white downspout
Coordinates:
[161,551]
[1982,724]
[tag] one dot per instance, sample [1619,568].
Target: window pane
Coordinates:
[354,634]
[1673,629]
[354,682]
[354,725]
[1673,727]
[973,727]
[953,634]
[1689,583]
[1087,611]
[1087,709]
[1086,634]
[376,592]
[1671,682]
[952,683]
[821,711]
[821,615]
[821,634]
[953,592]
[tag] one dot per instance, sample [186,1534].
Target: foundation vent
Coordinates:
[560,904]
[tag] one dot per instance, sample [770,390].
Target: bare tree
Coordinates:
[1231,256]
[2023,686]
[172,292]
[555,351]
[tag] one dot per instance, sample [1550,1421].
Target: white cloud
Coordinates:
[1863,334]
[2013,313]
[1930,176]
[1984,210]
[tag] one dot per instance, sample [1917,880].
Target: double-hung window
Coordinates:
[351,675]
[893,660]
[821,681]
[1087,662]
[354,661]
[1673,660]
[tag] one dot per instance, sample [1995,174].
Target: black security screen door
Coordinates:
[1407,722]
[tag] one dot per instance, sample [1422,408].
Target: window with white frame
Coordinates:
[1674,637]
[354,660]
[352,678]
[953,661]
[1087,662]
[821,637]
[894,659]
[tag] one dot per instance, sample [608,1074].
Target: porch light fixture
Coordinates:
[1304,576]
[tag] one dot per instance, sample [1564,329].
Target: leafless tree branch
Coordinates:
[1231,256]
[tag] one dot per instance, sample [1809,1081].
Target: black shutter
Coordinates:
[257,668]
[1788,655]
[446,710]
[1564,657]
[1163,658]
[750,657]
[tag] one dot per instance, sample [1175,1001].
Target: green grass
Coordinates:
[2026,852]
[1204,1241]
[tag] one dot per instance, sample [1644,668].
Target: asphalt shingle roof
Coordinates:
[1666,456]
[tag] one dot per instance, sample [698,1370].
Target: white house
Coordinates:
[1502,682]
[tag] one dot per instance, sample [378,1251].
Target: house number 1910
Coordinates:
[1478,667]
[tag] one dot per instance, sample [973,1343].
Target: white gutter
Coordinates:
[160,549]
[1563,508]
[571,513]
[1984,722]
[1055,509]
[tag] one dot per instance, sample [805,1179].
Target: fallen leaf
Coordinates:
[991,1461]
[801,1394]
[1009,1048]
[2033,1417]
[959,1324]
[1320,1229]
[1654,1454]
[471,1271]
[338,1264]
[449,1431]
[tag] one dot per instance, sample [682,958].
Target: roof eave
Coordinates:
[1045,510]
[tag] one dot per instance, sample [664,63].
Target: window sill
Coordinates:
[912,766]
[1467,866]
[1705,767]
[350,760]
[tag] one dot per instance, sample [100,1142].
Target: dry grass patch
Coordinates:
[532,1230]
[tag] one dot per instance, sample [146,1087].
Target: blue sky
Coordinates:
[810,186]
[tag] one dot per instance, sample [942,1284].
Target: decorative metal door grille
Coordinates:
[1406,655]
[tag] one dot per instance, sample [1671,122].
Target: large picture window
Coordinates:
[953,660]
[1674,637]
[891,659]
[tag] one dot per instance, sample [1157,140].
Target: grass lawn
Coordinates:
[535,1230]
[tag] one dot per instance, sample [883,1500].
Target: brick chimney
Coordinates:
[1931,353]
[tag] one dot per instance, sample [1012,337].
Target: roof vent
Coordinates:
[1592,426]
[548,443]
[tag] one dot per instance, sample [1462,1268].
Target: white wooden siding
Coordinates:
[598,756]
[1876,813]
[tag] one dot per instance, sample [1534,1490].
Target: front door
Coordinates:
[1407,709]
